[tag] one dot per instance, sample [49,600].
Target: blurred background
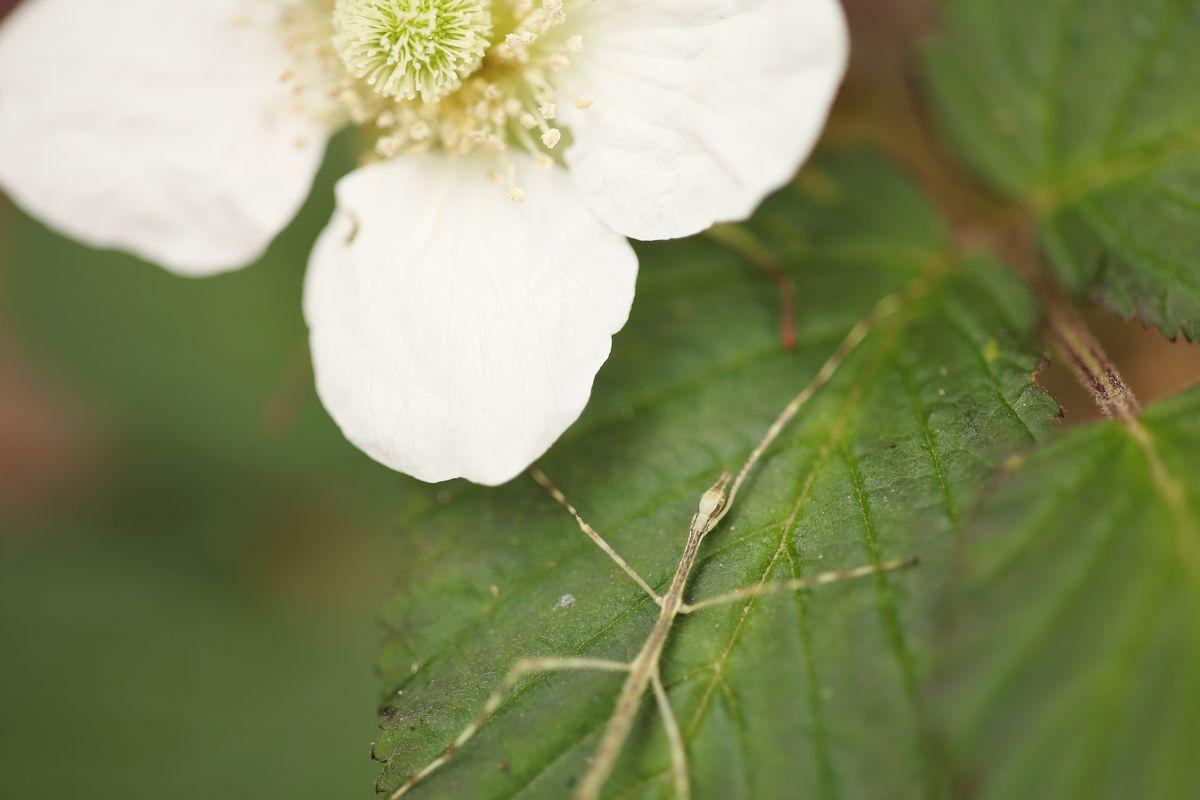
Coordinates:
[191,557]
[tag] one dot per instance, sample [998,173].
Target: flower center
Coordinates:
[412,48]
[447,76]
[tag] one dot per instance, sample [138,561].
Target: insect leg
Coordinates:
[515,673]
[811,582]
[679,766]
[590,532]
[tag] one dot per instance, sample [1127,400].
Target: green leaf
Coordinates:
[1072,671]
[1085,112]
[818,690]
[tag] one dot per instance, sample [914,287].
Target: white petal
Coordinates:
[699,108]
[455,333]
[160,127]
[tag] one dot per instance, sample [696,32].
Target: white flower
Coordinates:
[466,291]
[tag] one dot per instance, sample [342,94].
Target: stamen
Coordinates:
[446,76]
[412,48]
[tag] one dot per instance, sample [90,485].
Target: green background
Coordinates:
[192,557]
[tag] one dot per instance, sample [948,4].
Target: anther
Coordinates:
[412,48]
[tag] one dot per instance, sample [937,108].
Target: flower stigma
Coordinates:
[446,76]
[412,48]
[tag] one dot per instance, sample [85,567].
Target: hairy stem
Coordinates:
[1095,372]
[1090,364]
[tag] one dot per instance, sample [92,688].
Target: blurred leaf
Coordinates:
[189,614]
[128,677]
[1073,667]
[1085,111]
[819,690]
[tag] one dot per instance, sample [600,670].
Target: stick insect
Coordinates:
[643,672]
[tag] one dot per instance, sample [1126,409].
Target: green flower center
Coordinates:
[446,76]
[409,49]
